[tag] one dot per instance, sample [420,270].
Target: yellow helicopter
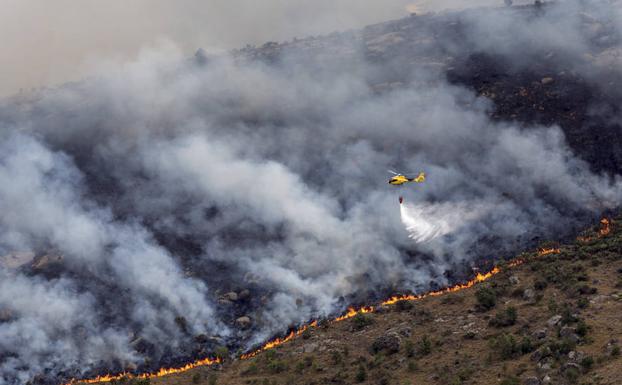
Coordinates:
[400,179]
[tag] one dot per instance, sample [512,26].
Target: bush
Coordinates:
[526,346]
[486,298]
[582,328]
[506,346]
[222,352]
[277,366]
[424,346]
[361,374]
[409,348]
[615,351]
[505,317]
[583,303]
[361,320]
[412,366]
[251,370]
[404,305]
[212,380]
[196,378]
[510,381]
[540,284]
[587,363]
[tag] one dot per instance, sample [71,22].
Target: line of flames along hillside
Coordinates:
[605,230]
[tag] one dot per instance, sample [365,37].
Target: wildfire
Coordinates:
[543,252]
[351,312]
[605,229]
[160,373]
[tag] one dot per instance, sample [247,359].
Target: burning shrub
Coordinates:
[506,317]
[486,298]
[361,320]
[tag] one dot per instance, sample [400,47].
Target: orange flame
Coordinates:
[543,252]
[160,373]
[605,229]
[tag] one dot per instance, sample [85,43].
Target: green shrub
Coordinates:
[506,317]
[412,366]
[583,303]
[361,320]
[506,346]
[409,348]
[526,346]
[424,346]
[251,370]
[582,328]
[486,298]
[277,366]
[222,352]
[510,381]
[361,374]
[404,305]
[540,284]
[615,351]
[587,363]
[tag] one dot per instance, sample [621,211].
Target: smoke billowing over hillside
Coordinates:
[131,201]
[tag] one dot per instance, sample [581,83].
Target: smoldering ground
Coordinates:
[165,182]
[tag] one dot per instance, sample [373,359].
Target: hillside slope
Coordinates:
[553,319]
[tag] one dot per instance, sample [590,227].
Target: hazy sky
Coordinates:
[47,42]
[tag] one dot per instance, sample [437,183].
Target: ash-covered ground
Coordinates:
[170,205]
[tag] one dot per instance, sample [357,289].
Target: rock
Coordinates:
[569,333]
[225,302]
[575,356]
[529,295]
[5,315]
[389,343]
[244,295]
[539,334]
[554,320]
[546,380]
[310,347]
[243,322]
[230,296]
[547,80]
[531,381]
[571,366]
[514,280]
[541,353]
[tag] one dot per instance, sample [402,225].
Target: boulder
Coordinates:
[531,381]
[539,334]
[514,280]
[389,343]
[554,320]
[243,322]
[546,380]
[230,296]
[529,295]
[244,295]
[547,80]
[569,333]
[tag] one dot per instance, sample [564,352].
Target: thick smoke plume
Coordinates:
[132,200]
